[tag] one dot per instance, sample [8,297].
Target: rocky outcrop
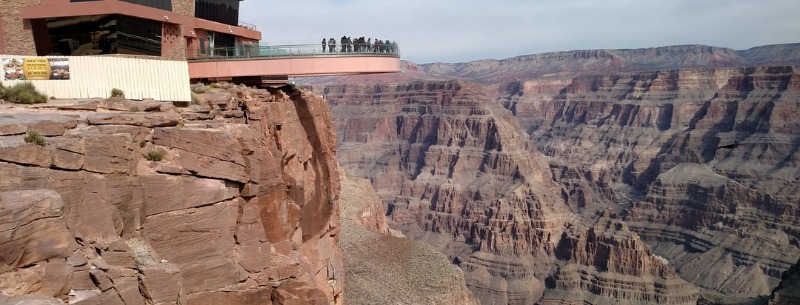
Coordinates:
[160,207]
[606,262]
[788,291]
[385,269]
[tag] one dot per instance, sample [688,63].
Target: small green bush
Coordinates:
[142,143]
[23,93]
[155,155]
[34,137]
[117,93]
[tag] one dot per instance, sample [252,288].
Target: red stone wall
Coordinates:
[183,7]
[173,45]
[16,34]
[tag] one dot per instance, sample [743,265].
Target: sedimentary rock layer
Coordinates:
[457,172]
[702,164]
[127,207]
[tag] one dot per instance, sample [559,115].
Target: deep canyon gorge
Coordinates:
[651,176]
[591,177]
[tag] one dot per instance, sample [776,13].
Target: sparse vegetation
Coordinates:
[134,109]
[155,155]
[142,143]
[194,99]
[118,93]
[222,85]
[34,137]
[199,88]
[141,251]
[22,93]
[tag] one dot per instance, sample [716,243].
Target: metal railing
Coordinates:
[298,50]
[246,25]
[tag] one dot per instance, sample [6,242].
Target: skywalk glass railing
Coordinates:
[298,50]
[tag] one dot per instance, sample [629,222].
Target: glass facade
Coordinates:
[222,11]
[104,34]
[159,4]
[138,36]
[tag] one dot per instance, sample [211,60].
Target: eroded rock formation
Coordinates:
[235,202]
[693,147]
[652,146]
[457,172]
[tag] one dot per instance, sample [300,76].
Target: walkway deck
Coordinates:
[290,61]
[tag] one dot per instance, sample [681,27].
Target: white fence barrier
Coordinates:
[95,76]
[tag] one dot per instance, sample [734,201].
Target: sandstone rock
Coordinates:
[134,236]
[34,228]
[29,300]
[109,154]
[46,124]
[200,241]
[135,119]
[162,284]
[128,105]
[226,162]
[27,154]
[171,193]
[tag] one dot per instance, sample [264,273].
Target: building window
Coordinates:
[159,4]
[83,35]
[222,11]
[138,36]
[103,34]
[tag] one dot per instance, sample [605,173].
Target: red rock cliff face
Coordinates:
[648,145]
[456,172]
[242,209]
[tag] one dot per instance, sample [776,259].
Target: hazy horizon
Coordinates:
[460,31]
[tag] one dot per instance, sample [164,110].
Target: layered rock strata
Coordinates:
[457,172]
[606,263]
[232,202]
[701,163]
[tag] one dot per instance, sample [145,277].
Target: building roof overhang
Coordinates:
[65,8]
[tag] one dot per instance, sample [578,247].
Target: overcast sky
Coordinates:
[464,30]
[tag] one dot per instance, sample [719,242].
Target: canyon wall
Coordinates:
[457,171]
[137,202]
[659,175]
[702,164]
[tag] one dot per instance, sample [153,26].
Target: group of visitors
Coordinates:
[359,45]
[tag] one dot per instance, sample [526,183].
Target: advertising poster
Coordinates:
[12,69]
[35,68]
[59,68]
